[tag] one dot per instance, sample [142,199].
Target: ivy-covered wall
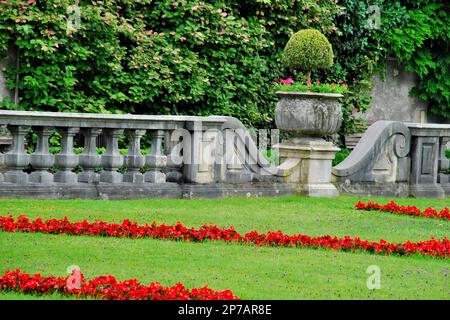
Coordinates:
[211,57]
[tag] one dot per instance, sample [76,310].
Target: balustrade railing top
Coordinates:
[118,121]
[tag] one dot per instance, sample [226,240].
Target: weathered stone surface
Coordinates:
[119,191]
[367,188]
[312,174]
[42,159]
[380,156]
[391,98]
[425,160]
[397,159]
[112,160]
[66,160]
[114,121]
[308,114]
[5,142]
[380,164]
[17,159]
[134,160]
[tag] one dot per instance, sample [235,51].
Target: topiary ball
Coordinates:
[308,50]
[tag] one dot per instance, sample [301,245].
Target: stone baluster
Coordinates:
[66,160]
[172,150]
[42,159]
[89,159]
[156,160]
[134,160]
[112,160]
[17,158]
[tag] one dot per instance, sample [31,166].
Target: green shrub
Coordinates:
[154,57]
[308,50]
[323,88]
[420,40]
[340,156]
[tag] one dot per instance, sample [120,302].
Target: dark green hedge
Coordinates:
[208,57]
[158,57]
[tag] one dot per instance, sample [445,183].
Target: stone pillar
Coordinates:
[309,116]
[66,160]
[134,160]
[444,166]
[199,154]
[41,159]
[156,160]
[112,160]
[174,160]
[205,173]
[236,152]
[90,159]
[17,158]
[424,174]
[309,165]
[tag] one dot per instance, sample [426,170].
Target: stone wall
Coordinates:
[391,99]
[8,60]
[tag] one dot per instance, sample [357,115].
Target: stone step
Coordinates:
[352,140]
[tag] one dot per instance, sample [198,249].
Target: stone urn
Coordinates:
[309,116]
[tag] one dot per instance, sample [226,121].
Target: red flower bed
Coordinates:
[106,287]
[408,210]
[437,248]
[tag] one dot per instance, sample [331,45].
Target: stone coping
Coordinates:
[427,125]
[428,129]
[67,119]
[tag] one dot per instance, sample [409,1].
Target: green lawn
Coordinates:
[250,272]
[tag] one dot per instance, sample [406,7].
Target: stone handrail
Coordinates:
[246,150]
[374,143]
[398,159]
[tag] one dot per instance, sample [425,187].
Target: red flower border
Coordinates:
[433,247]
[392,207]
[106,288]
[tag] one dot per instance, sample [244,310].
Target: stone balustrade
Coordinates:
[209,157]
[398,159]
[185,157]
[90,126]
[430,169]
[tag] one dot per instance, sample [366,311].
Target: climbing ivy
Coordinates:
[420,39]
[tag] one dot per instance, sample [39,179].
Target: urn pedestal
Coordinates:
[309,116]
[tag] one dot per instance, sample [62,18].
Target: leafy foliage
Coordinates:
[153,57]
[421,41]
[212,57]
[340,156]
[323,88]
